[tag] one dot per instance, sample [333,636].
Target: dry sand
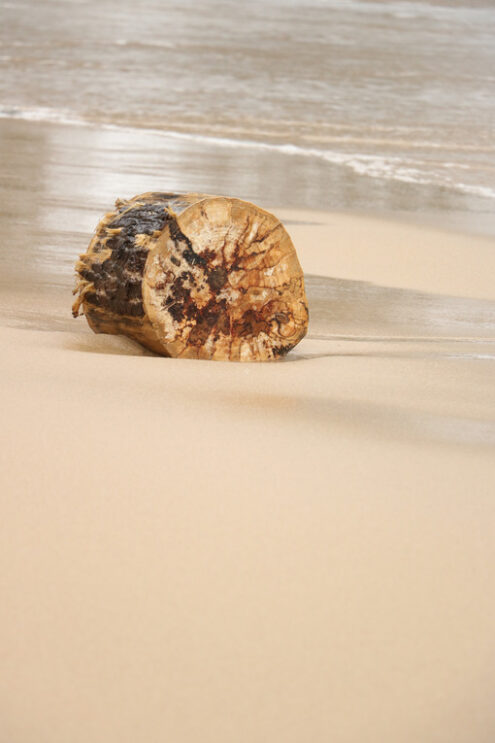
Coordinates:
[301,551]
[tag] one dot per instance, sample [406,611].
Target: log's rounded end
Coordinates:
[223,281]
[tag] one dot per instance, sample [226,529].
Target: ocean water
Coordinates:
[358,104]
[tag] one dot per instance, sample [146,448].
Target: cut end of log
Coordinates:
[195,276]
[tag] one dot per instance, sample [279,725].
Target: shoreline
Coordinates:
[415,203]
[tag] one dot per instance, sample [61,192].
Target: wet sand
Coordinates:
[202,551]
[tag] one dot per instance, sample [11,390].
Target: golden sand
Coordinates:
[300,551]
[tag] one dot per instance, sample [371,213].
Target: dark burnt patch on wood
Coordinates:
[208,255]
[184,246]
[235,263]
[279,351]
[216,278]
[193,258]
[141,219]
[179,298]
[212,317]
[252,323]
[117,281]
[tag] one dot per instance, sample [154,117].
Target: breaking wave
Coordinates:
[390,167]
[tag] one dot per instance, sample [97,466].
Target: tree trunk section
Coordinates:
[194,276]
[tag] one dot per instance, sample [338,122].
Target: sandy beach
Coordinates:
[204,551]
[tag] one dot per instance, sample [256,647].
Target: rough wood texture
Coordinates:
[194,276]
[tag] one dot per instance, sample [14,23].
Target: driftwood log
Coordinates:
[194,276]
